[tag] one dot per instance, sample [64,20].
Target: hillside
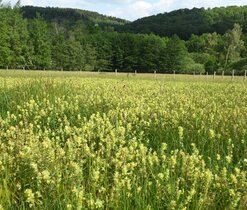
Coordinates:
[70,16]
[185,22]
[72,39]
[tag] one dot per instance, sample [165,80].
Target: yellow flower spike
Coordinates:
[237,171]
[173,205]
[161,176]
[218,157]
[228,159]
[69,207]
[181,133]
[163,147]
[30,197]
[99,204]
[96,175]
[211,134]
[45,176]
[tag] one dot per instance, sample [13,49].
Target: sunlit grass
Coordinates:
[76,140]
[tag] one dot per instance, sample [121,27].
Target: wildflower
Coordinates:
[139,189]
[96,175]
[245,161]
[211,134]
[237,171]
[208,176]
[234,179]
[76,168]
[69,207]
[163,147]
[34,166]
[61,152]
[99,204]
[228,159]
[45,175]
[231,192]
[148,207]
[30,198]
[218,157]
[90,203]
[161,176]
[180,132]
[18,186]
[173,204]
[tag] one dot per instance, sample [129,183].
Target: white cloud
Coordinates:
[28,2]
[163,6]
[113,1]
[132,11]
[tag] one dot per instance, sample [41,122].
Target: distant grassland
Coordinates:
[83,74]
[76,140]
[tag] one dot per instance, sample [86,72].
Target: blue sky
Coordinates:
[132,9]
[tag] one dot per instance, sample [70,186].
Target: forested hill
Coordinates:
[185,22]
[70,17]
[71,39]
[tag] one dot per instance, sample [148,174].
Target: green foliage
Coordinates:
[185,22]
[240,66]
[175,55]
[209,61]
[13,38]
[190,66]
[195,68]
[70,17]
[5,53]
[41,43]
[233,45]
[70,39]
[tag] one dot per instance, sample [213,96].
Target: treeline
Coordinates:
[37,43]
[185,22]
[69,17]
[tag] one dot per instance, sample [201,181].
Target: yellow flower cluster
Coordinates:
[111,143]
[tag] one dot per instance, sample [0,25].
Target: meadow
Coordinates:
[106,141]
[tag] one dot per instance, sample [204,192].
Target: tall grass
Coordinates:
[122,143]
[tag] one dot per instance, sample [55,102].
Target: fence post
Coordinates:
[233,74]
[135,72]
[223,74]
[174,74]
[116,71]
[245,74]
[194,75]
[207,75]
[214,74]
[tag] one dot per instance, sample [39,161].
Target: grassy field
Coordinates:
[105,141]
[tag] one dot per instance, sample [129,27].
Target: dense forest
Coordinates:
[185,22]
[71,39]
[69,17]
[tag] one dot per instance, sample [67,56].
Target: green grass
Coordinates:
[80,140]
[119,75]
